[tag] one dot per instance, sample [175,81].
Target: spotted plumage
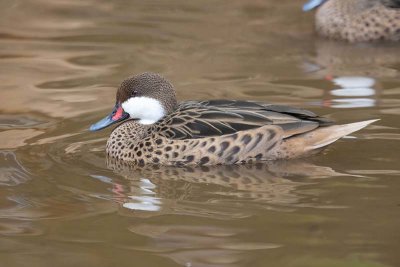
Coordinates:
[357,20]
[210,132]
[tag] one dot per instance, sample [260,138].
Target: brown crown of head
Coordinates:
[151,85]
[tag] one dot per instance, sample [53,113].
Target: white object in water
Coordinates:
[353,92]
[354,81]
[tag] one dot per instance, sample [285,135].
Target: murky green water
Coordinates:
[62,204]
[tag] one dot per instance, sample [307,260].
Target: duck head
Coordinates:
[146,97]
[312,4]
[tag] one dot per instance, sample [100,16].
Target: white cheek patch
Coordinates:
[148,110]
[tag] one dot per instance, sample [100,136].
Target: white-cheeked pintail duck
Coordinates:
[156,129]
[357,20]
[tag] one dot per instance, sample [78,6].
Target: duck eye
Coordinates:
[134,93]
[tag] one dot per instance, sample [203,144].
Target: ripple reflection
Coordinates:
[217,191]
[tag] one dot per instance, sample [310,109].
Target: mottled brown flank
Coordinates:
[359,20]
[246,139]
[226,149]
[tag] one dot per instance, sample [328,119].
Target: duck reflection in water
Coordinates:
[350,74]
[202,189]
[352,92]
[227,192]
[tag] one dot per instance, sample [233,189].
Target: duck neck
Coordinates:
[125,136]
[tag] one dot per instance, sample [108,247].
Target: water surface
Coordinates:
[62,203]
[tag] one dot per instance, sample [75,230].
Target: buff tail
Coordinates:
[324,136]
[313,141]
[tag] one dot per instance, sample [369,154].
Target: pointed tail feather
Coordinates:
[313,141]
[324,136]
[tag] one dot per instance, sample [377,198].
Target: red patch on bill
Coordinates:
[118,114]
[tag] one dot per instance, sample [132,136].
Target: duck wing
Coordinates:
[391,3]
[198,119]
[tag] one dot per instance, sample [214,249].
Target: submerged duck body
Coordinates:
[357,20]
[158,130]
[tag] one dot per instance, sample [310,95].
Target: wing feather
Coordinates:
[197,119]
[391,3]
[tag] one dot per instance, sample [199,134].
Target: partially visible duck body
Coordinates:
[357,20]
[158,130]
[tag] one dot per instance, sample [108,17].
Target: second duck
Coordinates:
[357,20]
